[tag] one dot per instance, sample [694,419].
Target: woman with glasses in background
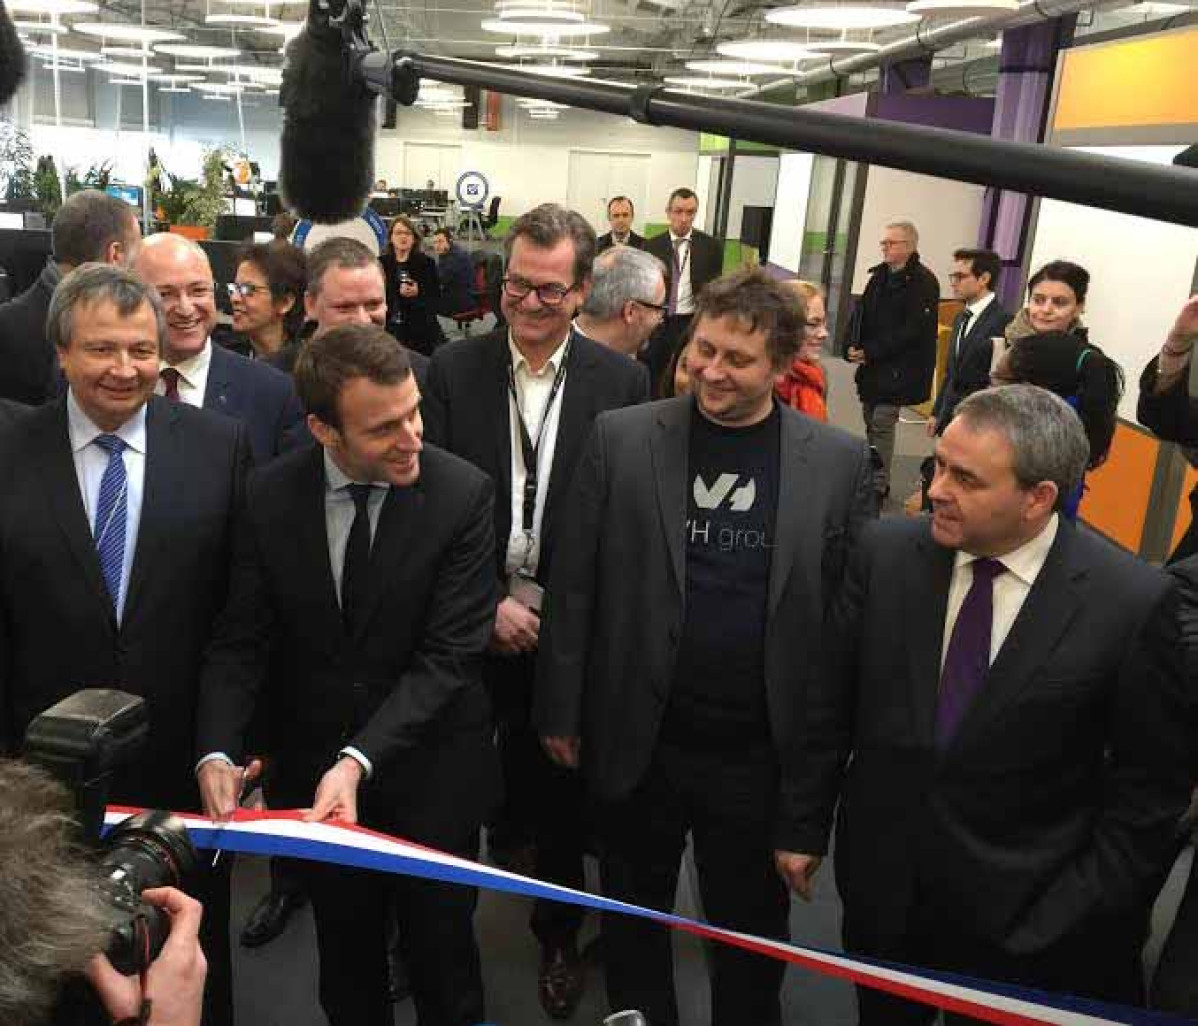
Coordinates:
[413,289]
[803,386]
[267,296]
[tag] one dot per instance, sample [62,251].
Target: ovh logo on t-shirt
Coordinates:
[740,500]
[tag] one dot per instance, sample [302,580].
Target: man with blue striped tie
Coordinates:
[116,513]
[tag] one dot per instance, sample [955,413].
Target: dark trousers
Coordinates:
[1175,983]
[1100,961]
[212,891]
[353,909]
[542,801]
[728,803]
[669,337]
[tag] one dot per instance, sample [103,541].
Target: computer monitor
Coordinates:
[385,206]
[131,194]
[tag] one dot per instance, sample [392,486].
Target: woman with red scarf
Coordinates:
[804,387]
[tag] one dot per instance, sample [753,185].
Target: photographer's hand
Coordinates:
[175,981]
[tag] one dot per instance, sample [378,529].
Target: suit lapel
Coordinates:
[795,515]
[572,420]
[313,534]
[52,445]
[1044,617]
[926,603]
[400,510]
[162,488]
[668,450]
[216,390]
[498,417]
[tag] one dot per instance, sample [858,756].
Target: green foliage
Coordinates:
[47,188]
[16,162]
[97,176]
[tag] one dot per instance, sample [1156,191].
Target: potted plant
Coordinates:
[205,200]
[47,188]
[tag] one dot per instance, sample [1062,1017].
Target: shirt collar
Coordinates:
[681,238]
[336,479]
[978,305]
[551,365]
[194,369]
[1027,561]
[84,430]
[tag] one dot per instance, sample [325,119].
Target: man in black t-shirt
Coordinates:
[703,539]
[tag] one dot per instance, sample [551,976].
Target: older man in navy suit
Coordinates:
[201,374]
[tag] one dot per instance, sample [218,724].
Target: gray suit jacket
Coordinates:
[609,640]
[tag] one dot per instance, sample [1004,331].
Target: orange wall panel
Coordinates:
[1116,499]
[1147,81]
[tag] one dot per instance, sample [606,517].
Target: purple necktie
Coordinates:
[968,658]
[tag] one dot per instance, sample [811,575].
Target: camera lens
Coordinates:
[151,849]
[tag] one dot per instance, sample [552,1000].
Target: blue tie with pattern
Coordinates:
[111,510]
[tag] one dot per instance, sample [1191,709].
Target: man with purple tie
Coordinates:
[1006,687]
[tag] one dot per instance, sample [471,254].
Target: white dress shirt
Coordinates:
[533,388]
[90,463]
[1011,588]
[685,300]
[975,310]
[193,376]
[339,513]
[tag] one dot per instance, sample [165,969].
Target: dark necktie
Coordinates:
[678,260]
[968,657]
[965,319]
[355,571]
[170,380]
[112,508]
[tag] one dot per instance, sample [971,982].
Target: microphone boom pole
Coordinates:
[1154,191]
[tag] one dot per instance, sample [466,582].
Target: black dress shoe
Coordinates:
[561,981]
[269,918]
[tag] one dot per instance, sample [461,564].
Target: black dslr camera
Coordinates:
[83,741]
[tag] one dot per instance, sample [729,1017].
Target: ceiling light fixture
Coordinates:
[60,66]
[50,28]
[65,53]
[701,82]
[175,80]
[125,70]
[198,51]
[174,89]
[286,29]
[60,8]
[733,67]
[556,30]
[218,88]
[961,8]
[847,47]
[839,16]
[776,50]
[565,53]
[242,20]
[126,33]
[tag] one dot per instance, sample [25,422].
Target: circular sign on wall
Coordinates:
[472,189]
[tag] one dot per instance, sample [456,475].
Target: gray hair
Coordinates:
[622,273]
[87,224]
[51,917]
[100,283]
[547,225]
[1045,432]
[908,229]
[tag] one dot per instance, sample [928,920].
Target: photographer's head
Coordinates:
[51,918]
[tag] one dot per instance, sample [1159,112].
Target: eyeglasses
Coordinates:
[657,308]
[197,292]
[550,294]
[245,289]
[890,243]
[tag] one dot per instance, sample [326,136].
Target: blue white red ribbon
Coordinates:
[285,833]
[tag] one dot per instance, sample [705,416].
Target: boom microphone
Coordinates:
[13,63]
[327,150]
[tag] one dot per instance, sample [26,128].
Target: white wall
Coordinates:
[790,209]
[947,214]
[1141,271]
[528,162]
[754,180]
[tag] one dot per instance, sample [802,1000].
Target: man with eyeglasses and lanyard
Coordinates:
[196,372]
[519,403]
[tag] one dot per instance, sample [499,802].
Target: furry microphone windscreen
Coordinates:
[326,161]
[13,62]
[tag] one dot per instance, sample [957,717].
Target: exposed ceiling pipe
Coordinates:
[924,41]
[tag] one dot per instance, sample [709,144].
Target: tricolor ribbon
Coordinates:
[285,833]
